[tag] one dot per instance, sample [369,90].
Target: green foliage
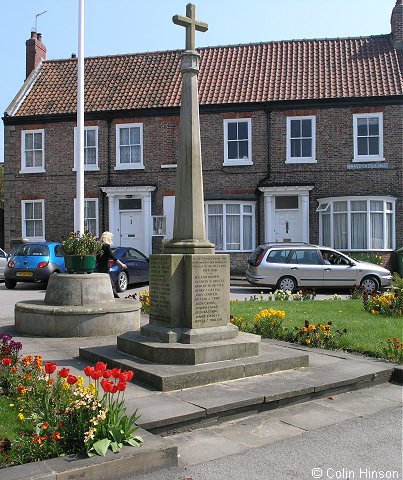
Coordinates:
[84,244]
[393,350]
[368,257]
[397,282]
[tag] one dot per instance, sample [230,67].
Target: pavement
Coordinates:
[196,425]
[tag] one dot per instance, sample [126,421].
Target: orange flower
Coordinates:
[13,369]
[55,436]
[37,439]
[27,376]
[45,425]
[21,390]
[27,360]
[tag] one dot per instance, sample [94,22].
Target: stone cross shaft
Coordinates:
[189,233]
[191,25]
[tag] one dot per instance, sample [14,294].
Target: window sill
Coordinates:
[368,159]
[32,170]
[237,163]
[129,167]
[169,165]
[87,169]
[300,160]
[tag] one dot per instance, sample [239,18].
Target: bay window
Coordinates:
[357,223]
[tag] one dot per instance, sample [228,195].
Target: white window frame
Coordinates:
[329,211]
[368,158]
[241,215]
[24,220]
[129,166]
[241,161]
[86,167]
[96,200]
[312,158]
[24,168]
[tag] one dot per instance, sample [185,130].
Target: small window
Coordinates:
[301,139]
[32,151]
[129,146]
[368,137]
[33,222]
[90,148]
[237,142]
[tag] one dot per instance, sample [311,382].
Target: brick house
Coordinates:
[301,141]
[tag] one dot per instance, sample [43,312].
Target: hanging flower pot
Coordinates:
[80,263]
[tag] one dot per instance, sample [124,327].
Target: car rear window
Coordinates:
[256,256]
[32,251]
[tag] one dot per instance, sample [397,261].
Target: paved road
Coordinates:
[360,448]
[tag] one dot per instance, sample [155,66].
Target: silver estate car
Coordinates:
[290,266]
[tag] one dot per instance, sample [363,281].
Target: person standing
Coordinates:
[105,255]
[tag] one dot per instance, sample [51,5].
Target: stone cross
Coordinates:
[191,25]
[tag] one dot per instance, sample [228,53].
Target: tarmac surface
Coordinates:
[259,427]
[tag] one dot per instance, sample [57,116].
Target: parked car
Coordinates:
[34,262]
[137,270]
[289,266]
[3,262]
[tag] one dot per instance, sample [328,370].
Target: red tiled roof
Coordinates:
[264,72]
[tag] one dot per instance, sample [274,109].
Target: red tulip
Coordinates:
[116,372]
[107,385]
[100,366]
[130,374]
[72,379]
[121,386]
[107,373]
[96,374]
[123,377]
[63,372]
[88,371]
[50,367]
[6,361]
[114,388]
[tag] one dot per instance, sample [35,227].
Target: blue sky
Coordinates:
[127,26]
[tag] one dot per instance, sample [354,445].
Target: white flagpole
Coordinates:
[79,211]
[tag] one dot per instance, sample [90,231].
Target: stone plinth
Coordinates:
[189,298]
[77,305]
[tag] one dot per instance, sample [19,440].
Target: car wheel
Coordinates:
[122,282]
[10,283]
[287,283]
[370,284]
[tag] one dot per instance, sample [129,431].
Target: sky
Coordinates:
[130,26]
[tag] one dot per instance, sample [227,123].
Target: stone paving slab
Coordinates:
[218,398]
[310,416]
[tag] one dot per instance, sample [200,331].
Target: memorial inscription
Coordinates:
[209,286]
[160,286]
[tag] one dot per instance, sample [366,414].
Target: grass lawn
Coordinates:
[367,333]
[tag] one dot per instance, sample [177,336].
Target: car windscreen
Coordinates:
[32,250]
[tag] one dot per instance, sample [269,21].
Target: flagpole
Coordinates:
[79,218]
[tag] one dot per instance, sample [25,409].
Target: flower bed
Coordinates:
[61,413]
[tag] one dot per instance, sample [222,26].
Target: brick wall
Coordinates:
[330,176]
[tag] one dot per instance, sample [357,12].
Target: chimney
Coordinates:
[35,52]
[396,22]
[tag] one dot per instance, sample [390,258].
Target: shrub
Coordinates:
[368,257]
[145,301]
[268,323]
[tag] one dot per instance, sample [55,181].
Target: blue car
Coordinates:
[137,270]
[34,262]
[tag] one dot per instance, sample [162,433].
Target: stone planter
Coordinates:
[80,263]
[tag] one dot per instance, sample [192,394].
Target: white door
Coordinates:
[131,234]
[287,226]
